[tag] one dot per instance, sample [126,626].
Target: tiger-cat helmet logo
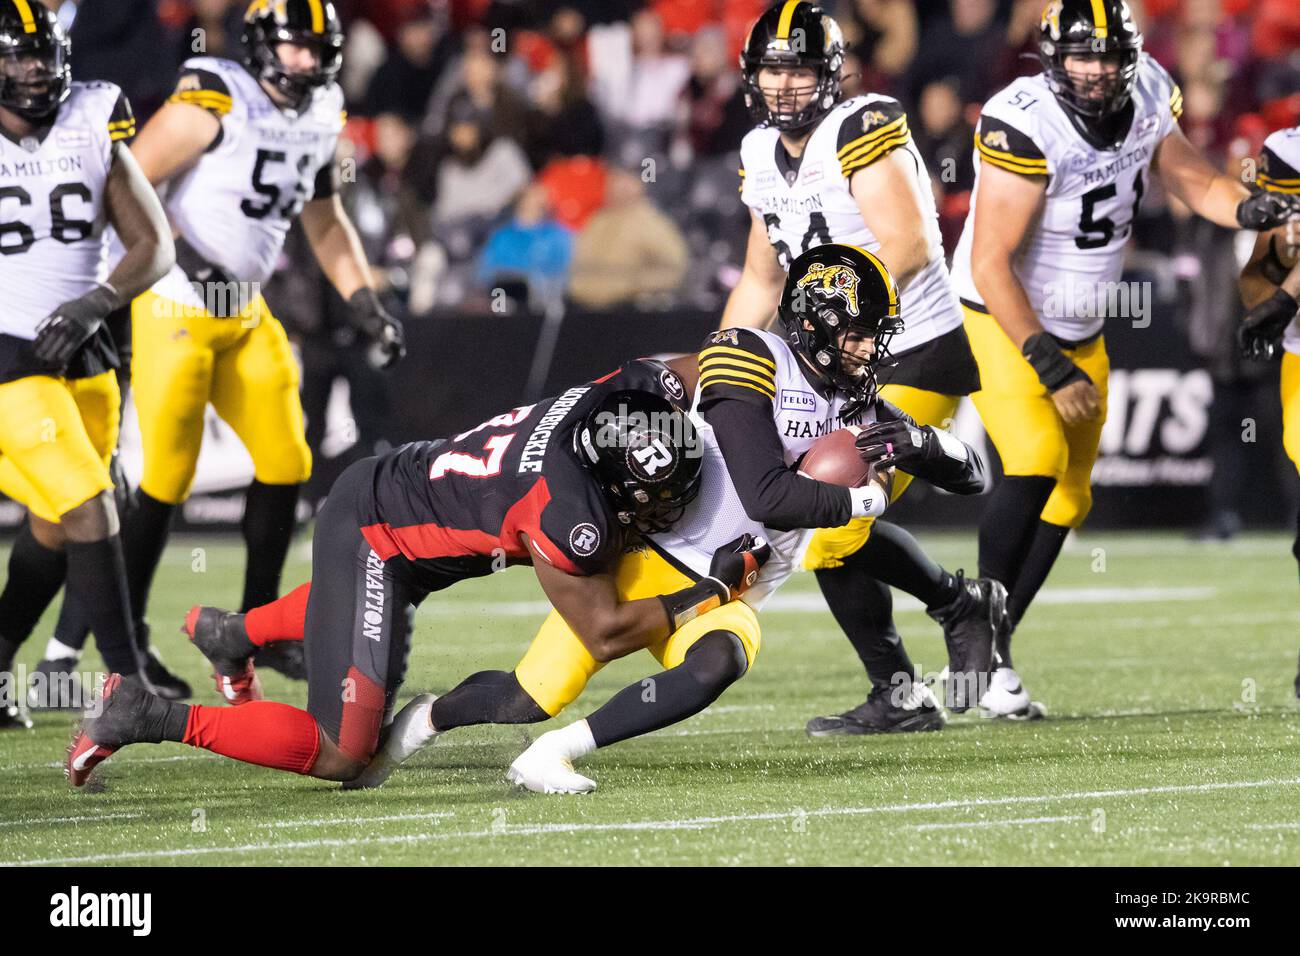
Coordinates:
[837,280]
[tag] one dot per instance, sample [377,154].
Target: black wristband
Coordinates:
[365,303]
[1054,368]
[686,605]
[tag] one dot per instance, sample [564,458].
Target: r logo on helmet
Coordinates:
[837,280]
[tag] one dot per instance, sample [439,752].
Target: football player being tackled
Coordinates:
[1062,160]
[819,168]
[838,311]
[244,149]
[68,174]
[563,485]
[1270,288]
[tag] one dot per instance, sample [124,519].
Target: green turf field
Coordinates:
[1173,738]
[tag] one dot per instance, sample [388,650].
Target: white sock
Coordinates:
[574,741]
[56,650]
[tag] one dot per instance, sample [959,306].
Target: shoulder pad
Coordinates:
[874,129]
[737,363]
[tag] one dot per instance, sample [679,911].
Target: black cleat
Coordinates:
[884,713]
[163,682]
[13,717]
[124,713]
[55,685]
[971,624]
[221,638]
[287,657]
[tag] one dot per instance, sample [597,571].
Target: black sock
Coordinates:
[864,609]
[1007,528]
[1295,548]
[1043,552]
[267,528]
[159,720]
[893,556]
[35,575]
[714,663]
[72,627]
[144,538]
[97,579]
[488,697]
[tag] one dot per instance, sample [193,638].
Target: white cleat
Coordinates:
[1007,698]
[409,733]
[542,768]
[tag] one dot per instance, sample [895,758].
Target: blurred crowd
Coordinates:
[513,153]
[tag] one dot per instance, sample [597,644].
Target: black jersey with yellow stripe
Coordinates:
[872,132]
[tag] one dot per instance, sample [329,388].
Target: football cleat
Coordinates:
[110,723]
[543,768]
[1007,698]
[13,717]
[220,637]
[285,657]
[971,623]
[887,710]
[57,688]
[410,731]
[164,683]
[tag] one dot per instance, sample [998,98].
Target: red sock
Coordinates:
[284,619]
[263,732]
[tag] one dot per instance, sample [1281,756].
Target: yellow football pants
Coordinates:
[1291,406]
[830,546]
[556,667]
[185,358]
[1023,421]
[56,438]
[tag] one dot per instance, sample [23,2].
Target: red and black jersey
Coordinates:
[462,502]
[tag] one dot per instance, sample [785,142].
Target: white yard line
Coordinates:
[975,824]
[325,821]
[41,821]
[692,823]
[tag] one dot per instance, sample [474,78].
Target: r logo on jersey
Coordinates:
[840,281]
[584,539]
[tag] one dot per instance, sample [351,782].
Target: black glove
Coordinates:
[1261,333]
[736,564]
[732,571]
[70,326]
[1264,210]
[1054,368]
[388,340]
[897,444]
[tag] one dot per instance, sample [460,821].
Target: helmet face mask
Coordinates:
[270,24]
[792,36]
[35,65]
[645,455]
[836,299]
[1104,46]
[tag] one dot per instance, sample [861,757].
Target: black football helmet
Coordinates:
[1090,28]
[35,60]
[645,455]
[830,290]
[312,23]
[794,33]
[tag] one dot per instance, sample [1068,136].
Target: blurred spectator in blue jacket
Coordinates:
[528,257]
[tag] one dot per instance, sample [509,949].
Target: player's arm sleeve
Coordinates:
[960,470]
[772,493]
[1276,174]
[874,131]
[327,182]
[121,122]
[1001,144]
[576,538]
[204,89]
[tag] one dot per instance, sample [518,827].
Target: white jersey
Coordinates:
[806,202]
[802,414]
[1092,195]
[1279,172]
[52,206]
[236,204]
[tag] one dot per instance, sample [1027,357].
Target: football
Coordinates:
[834,459]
